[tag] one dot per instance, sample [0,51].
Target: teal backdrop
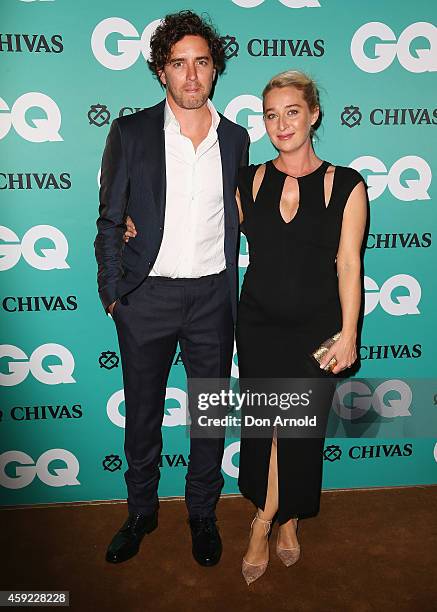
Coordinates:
[69,69]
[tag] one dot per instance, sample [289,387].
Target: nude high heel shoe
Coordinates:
[253,572]
[288,556]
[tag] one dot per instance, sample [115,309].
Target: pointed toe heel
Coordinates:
[250,571]
[288,556]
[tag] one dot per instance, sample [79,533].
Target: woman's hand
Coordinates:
[130,232]
[111,307]
[344,352]
[240,210]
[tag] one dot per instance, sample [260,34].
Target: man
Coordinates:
[173,169]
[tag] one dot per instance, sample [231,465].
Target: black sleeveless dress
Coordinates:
[289,305]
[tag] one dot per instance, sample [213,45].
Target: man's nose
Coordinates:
[191,71]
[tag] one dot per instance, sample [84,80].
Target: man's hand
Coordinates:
[130,232]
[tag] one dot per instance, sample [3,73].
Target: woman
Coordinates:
[304,220]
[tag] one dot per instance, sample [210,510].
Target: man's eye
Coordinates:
[177,64]
[270,116]
[292,112]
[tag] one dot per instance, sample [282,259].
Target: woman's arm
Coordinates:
[349,278]
[240,210]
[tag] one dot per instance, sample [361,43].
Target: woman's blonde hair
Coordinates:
[302,82]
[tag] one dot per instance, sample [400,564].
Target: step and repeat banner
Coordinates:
[69,69]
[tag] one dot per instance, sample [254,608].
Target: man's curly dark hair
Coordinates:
[173,28]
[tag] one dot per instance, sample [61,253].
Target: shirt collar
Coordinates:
[170,119]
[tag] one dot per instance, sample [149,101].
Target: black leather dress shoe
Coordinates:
[207,545]
[126,542]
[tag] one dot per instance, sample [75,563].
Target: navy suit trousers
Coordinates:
[150,322]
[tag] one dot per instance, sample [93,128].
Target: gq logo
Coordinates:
[128,48]
[255,123]
[173,417]
[402,305]
[19,369]
[426,60]
[414,189]
[27,469]
[40,130]
[49,259]
[362,397]
[289,3]
[228,465]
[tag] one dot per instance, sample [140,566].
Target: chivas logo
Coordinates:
[403,116]
[403,241]
[278,47]
[112,463]
[47,412]
[380,450]
[39,303]
[109,360]
[391,351]
[34,43]
[35,180]
[231,46]
[99,115]
[332,453]
[351,116]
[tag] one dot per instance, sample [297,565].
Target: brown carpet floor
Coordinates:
[366,550]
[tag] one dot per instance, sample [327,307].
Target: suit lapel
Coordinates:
[227,154]
[155,171]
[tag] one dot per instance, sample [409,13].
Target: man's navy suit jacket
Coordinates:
[133,182]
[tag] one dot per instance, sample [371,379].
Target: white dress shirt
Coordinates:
[193,239]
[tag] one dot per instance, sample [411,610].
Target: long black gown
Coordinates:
[289,305]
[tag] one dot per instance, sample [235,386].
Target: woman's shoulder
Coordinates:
[349,176]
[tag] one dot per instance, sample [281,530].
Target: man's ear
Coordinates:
[162,78]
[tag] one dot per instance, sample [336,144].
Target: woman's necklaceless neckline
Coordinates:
[303,175]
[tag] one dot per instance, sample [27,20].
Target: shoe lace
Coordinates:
[267,524]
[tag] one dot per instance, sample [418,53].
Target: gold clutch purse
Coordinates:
[320,352]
